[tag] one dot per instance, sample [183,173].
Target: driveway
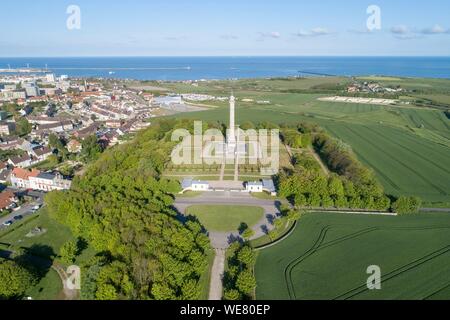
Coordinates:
[222,240]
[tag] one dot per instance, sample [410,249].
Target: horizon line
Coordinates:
[229,56]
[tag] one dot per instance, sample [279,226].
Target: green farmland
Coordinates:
[327,257]
[405,164]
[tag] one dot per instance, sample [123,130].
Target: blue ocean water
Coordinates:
[196,68]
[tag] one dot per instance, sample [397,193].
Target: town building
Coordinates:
[7,200]
[36,180]
[74,146]
[20,161]
[194,185]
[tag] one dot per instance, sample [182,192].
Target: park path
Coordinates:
[319,160]
[217,272]
[236,169]
[66,293]
[222,171]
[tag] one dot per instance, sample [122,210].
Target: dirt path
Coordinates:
[236,169]
[66,293]
[319,160]
[217,271]
[222,171]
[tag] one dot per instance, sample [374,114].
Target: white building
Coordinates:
[256,187]
[194,185]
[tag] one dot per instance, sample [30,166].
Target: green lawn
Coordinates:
[48,243]
[226,218]
[42,250]
[48,288]
[327,257]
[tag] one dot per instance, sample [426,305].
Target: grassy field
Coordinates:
[43,249]
[226,218]
[408,146]
[406,165]
[327,257]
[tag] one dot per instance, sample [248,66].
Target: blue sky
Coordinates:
[228,28]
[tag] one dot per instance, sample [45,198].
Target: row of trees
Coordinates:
[351,185]
[123,208]
[14,279]
[239,280]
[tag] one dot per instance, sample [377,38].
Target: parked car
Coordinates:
[19,217]
[7,223]
[35,208]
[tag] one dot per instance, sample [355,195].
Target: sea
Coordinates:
[220,68]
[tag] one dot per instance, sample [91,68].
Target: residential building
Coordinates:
[20,161]
[74,146]
[7,199]
[6,128]
[36,180]
[20,178]
[42,153]
[49,182]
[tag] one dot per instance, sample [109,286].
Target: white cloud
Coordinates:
[315,32]
[436,29]
[229,37]
[400,29]
[273,35]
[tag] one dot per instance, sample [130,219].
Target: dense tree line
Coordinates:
[123,208]
[239,280]
[351,185]
[15,279]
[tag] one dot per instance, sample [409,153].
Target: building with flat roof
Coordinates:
[194,185]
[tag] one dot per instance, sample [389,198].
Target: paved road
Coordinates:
[217,272]
[25,210]
[222,240]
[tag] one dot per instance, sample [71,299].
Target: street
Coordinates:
[25,210]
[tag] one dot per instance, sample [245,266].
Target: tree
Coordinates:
[91,149]
[407,205]
[248,234]
[23,127]
[246,282]
[69,251]
[55,142]
[14,280]
[232,295]
[246,256]
[294,215]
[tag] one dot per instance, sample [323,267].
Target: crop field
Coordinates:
[405,165]
[327,256]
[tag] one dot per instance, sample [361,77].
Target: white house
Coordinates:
[194,185]
[265,185]
[254,186]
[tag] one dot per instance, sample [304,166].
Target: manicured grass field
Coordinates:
[327,257]
[226,218]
